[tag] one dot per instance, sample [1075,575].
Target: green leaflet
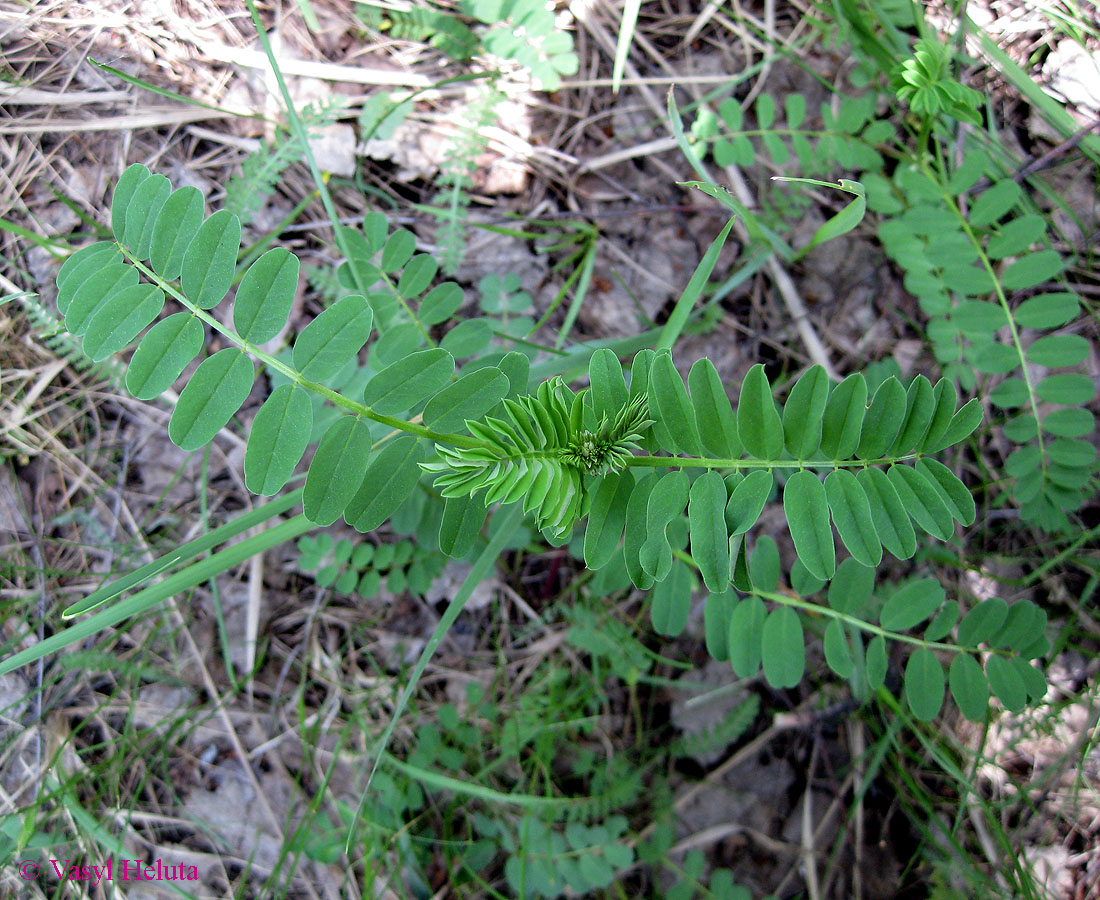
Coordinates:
[636,531]
[844,412]
[707,524]
[277,439]
[211,259]
[945,398]
[943,622]
[783,648]
[418,273]
[163,354]
[982,622]
[606,518]
[666,502]
[714,416]
[745,636]
[326,344]
[1006,683]
[215,392]
[668,401]
[803,411]
[94,293]
[461,524]
[892,524]
[81,266]
[1047,310]
[924,684]
[409,381]
[963,422]
[176,226]
[876,663]
[851,588]
[758,423]
[920,404]
[390,477]
[440,303]
[955,494]
[838,654]
[764,566]
[747,501]
[716,623]
[142,212]
[336,470]
[265,296]
[969,687]
[852,516]
[120,319]
[125,189]
[608,393]
[807,510]
[471,397]
[912,604]
[670,601]
[398,250]
[1021,624]
[922,501]
[883,420]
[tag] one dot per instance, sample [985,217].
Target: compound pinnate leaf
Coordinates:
[127,186]
[783,648]
[924,684]
[892,524]
[959,500]
[837,652]
[163,354]
[94,293]
[408,381]
[215,392]
[668,399]
[326,344]
[461,524]
[671,601]
[747,501]
[852,516]
[912,604]
[802,413]
[713,413]
[265,296]
[211,259]
[79,267]
[807,509]
[922,501]
[142,212]
[746,633]
[1006,683]
[390,477]
[920,404]
[606,518]
[758,423]
[707,524]
[843,421]
[121,318]
[883,420]
[336,470]
[969,687]
[471,397]
[277,439]
[176,225]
